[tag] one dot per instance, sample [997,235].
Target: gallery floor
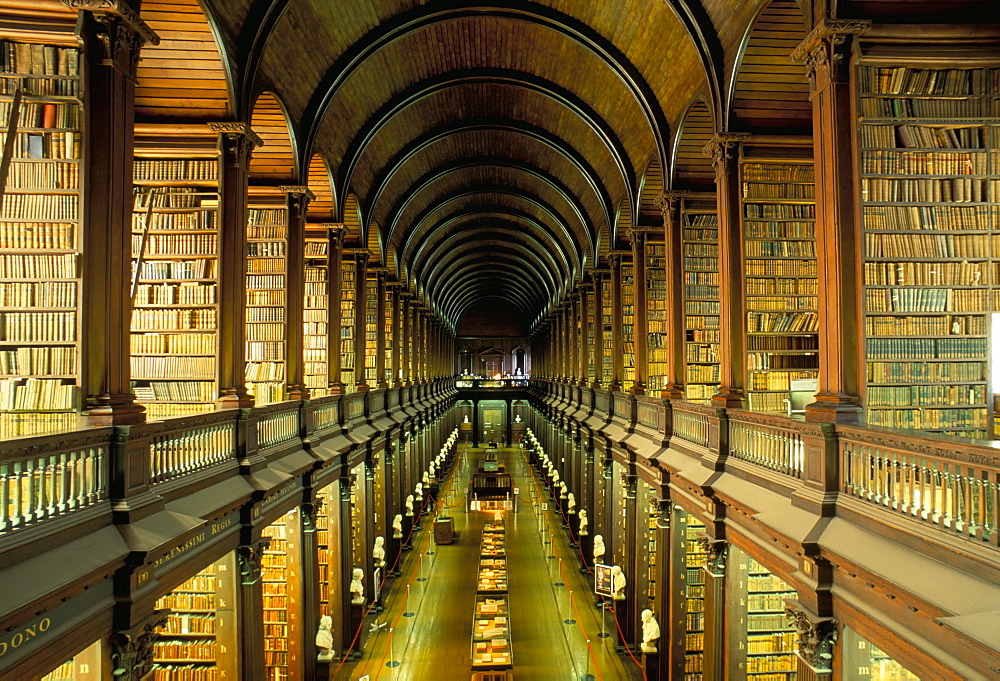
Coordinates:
[555,627]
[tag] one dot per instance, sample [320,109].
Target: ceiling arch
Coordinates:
[275,162]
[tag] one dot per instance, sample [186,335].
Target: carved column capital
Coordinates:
[121,31]
[720,146]
[717,553]
[669,201]
[250,558]
[825,52]
[237,142]
[132,653]
[816,636]
[337,233]
[637,237]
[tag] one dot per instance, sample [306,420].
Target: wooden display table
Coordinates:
[444,530]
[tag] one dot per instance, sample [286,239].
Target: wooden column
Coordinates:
[826,53]
[250,606]
[296,200]
[575,345]
[586,346]
[565,354]
[716,645]
[334,284]
[598,349]
[670,205]
[112,34]
[236,143]
[617,342]
[732,319]
[380,339]
[360,310]
[640,325]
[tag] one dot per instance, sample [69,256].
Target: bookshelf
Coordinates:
[280,582]
[315,320]
[695,563]
[86,665]
[590,332]
[864,661]
[700,246]
[40,240]
[928,166]
[326,553]
[371,330]
[656,315]
[175,266]
[348,292]
[267,240]
[628,326]
[389,338]
[781,284]
[607,322]
[764,644]
[197,641]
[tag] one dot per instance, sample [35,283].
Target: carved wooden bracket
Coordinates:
[817,635]
[825,51]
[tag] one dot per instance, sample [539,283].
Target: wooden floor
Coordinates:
[428,633]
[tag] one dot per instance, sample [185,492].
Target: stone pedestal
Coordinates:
[357,620]
[393,550]
[651,663]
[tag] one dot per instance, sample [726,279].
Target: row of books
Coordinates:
[700,291]
[174,319]
[925,395]
[782,322]
[775,642]
[63,145]
[782,303]
[778,172]
[758,190]
[168,170]
[181,672]
[787,286]
[264,331]
[38,361]
[265,266]
[928,300]
[180,600]
[925,372]
[49,60]
[778,211]
[702,373]
[266,249]
[184,293]
[35,86]
[38,294]
[930,190]
[766,361]
[265,314]
[704,264]
[907,273]
[187,623]
[923,163]
[908,80]
[945,325]
[37,235]
[200,268]
[38,266]
[33,327]
[198,649]
[769,402]
[173,367]
[926,348]
[175,244]
[780,268]
[929,418]
[700,249]
[701,322]
[36,394]
[265,371]
[175,391]
[778,380]
[53,175]
[933,218]
[263,282]
[171,198]
[873,108]
[922,245]
[168,343]
[773,229]
[780,249]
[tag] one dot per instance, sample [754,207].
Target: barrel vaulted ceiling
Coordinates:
[490,150]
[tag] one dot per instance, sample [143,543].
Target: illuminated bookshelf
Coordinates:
[700,244]
[40,240]
[348,293]
[763,647]
[388,336]
[607,323]
[280,575]
[781,284]
[371,330]
[656,315]
[175,264]
[267,233]
[928,144]
[628,326]
[316,330]
[695,562]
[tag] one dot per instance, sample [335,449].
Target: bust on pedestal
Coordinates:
[409,505]
[324,639]
[378,552]
[357,589]
[650,632]
[584,522]
[397,526]
[357,608]
[570,504]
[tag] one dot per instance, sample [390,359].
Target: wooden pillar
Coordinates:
[575,346]
[296,200]
[381,371]
[112,34]
[826,53]
[617,342]
[250,606]
[360,310]
[670,205]
[716,648]
[732,320]
[816,638]
[236,143]
[599,279]
[640,324]
[334,284]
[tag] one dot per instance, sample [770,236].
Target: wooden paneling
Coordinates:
[772,91]
[322,207]
[692,169]
[182,77]
[272,163]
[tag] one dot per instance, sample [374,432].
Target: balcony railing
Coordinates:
[187,444]
[278,424]
[491,383]
[772,442]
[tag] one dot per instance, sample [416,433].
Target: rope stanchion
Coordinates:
[621,637]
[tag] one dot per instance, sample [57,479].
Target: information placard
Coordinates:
[602,580]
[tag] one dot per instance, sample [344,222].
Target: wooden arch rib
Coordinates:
[692,169]
[275,162]
[352,220]
[323,207]
[649,189]
[604,245]
[185,77]
[769,90]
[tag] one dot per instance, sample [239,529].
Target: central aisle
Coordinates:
[435,642]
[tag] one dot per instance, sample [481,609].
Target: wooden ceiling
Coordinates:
[498,147]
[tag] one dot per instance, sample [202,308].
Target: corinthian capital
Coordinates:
[825,51]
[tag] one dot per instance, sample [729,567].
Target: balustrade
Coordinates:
[279,424]
[772,442]
[690,425]
[190,444]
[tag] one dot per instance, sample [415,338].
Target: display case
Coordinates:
[491,638]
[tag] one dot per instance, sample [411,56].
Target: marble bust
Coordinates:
[650,632]
[598,548]
[409,504]
[618,583]
[357,589]
[378,552]
[570,504]
[584,522]
[324,638]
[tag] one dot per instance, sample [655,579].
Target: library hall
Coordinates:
[534,340]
